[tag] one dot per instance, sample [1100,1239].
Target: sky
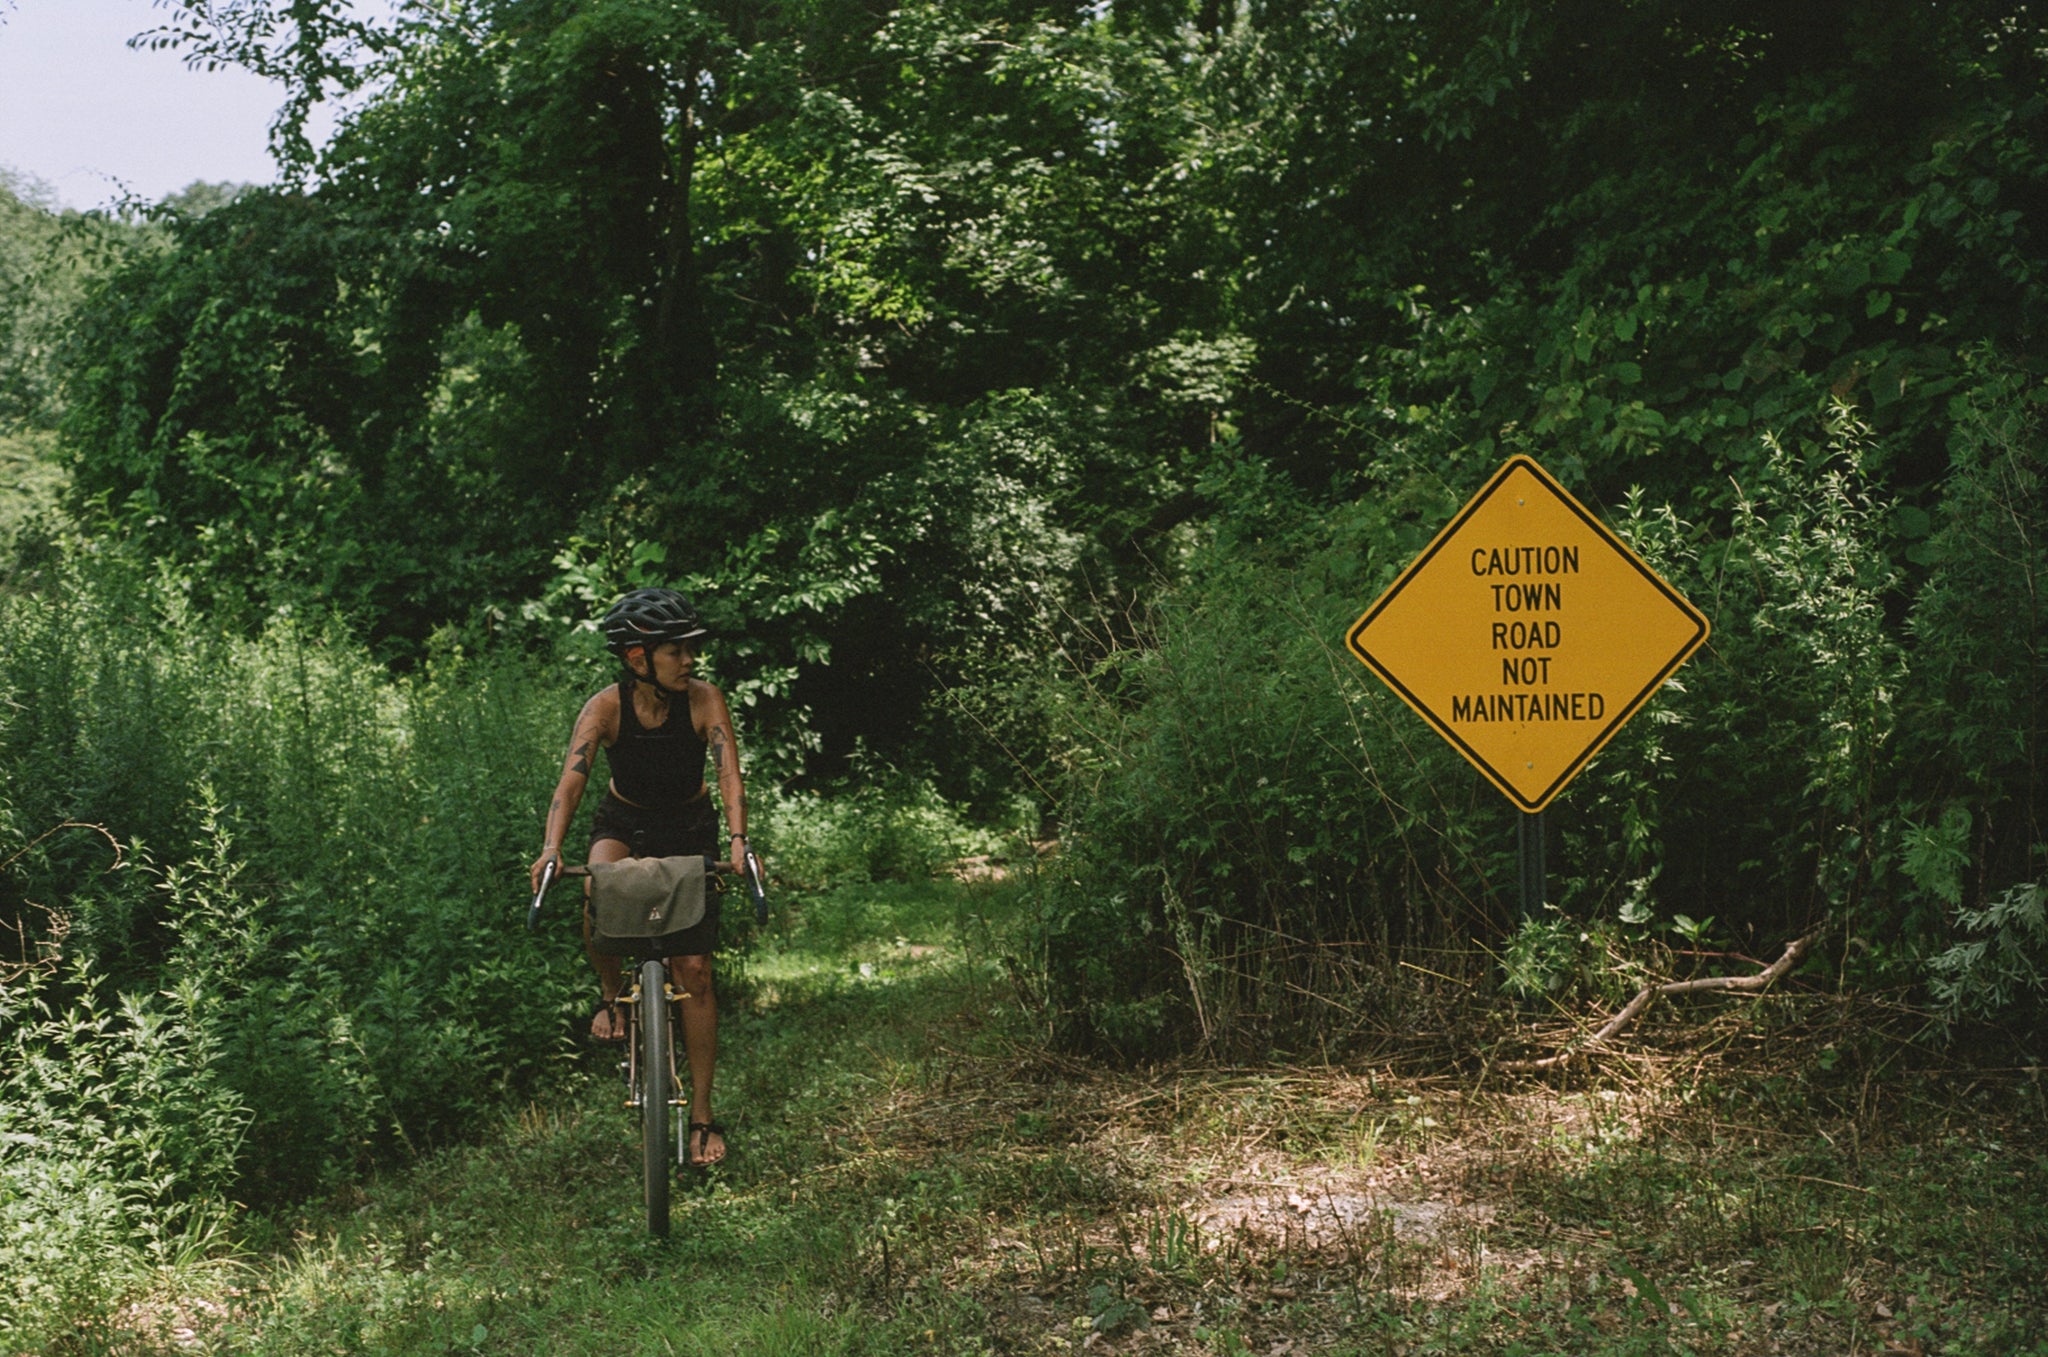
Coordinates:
[91,119]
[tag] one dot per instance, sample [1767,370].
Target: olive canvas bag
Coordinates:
[641,906]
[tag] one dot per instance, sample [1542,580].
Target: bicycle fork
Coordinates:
[635,1085]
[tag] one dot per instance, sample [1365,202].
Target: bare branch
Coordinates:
[100,830]
[1763,979]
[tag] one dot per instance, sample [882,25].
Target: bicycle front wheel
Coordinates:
[656,1089]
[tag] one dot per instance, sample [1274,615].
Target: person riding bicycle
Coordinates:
[657,724]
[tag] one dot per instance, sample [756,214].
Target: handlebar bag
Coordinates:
[639,905]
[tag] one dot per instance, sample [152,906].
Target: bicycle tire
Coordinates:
[656,1074]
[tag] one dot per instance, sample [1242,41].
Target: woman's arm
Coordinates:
[724,745]
[596,727]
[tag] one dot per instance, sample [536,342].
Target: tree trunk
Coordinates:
[687,354]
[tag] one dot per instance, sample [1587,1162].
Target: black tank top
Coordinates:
[660,768]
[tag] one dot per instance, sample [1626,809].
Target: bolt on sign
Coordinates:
[1527,633]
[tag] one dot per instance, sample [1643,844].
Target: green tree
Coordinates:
[49,259]
[853,320]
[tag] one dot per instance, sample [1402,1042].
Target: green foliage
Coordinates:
[1550,957]
[1632,266]
[118,1139]
[834,316]
[1980,673]
[1032,394]
[31,485]
[1251,826]
[222,417]
[332,868]
[883,826]
[1792,708]
[1243,808]
[939,345]
[901,334]
[48,260]
[2002,966]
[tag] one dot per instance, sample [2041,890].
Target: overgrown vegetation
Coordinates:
[1032,393]
[1265,827]
[268,939]
[913,1172]
[254,892]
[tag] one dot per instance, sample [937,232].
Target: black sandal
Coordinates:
[700,1133]
[618,1036]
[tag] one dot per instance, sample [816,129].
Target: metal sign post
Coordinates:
[1529,850]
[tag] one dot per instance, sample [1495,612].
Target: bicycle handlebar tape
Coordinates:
[757,888]
[547,879]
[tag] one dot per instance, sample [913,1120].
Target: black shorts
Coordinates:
[691,829]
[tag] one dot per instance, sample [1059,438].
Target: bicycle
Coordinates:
[652,1006]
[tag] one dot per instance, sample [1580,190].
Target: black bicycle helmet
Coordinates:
[648,617]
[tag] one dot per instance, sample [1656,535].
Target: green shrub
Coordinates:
[1974,846]
[118,1138]
[884,825]
[1784,762]
[1249,817]
[328,865]
[2003,963]
[1252,826]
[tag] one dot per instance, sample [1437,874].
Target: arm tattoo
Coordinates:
[718,749]
[579,759]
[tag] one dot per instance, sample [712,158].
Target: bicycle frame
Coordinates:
[652,1005]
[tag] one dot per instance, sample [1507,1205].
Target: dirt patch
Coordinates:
[1330,1215]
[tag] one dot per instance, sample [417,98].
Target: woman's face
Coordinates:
[672,661]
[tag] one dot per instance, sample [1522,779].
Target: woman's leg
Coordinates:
[700,1042]
[607,1025]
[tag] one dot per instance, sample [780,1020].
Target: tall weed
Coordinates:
[117,1147]
[1251,826]
[1790,760]
[313,959]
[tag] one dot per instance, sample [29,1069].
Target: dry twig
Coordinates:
[1763,979]
[100,830]
[60,924]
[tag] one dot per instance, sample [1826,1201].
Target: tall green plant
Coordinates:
[332,861]
[1808,575]
[1975,849]
[119,1133]
[1251,826]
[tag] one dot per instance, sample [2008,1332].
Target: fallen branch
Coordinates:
[1650,993]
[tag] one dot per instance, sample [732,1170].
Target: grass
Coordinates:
[911,1173]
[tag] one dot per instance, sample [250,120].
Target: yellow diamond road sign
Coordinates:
[1527,633]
